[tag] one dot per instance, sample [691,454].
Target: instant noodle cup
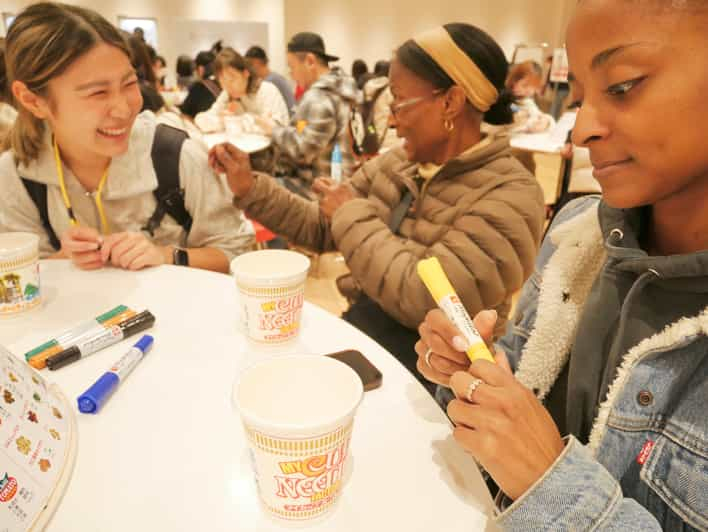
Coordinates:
[298,412]
[271,285]
[19,273]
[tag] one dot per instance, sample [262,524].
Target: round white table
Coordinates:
[167,451]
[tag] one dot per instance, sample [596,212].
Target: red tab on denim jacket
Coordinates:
[643,455]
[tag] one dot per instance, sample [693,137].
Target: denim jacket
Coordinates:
[646,464]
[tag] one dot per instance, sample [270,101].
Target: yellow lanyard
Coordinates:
[99,205]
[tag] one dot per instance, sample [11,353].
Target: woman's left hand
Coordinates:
[334,195]
[133,251]
[503,425]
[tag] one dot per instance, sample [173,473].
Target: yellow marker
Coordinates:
[300,126]
[432,274]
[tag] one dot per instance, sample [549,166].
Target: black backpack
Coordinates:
[366,141]
[166,150]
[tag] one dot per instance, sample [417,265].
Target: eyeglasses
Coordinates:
[395,108]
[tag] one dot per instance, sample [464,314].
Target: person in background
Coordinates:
[205,90]
[360,73]
[79,170]
[602,425]
[185,72]
[449,192]
[525,82]
[378,94]
[259,61]
[159,66]
[322,115]
[242,92]
[139,33]
[152,101]
[7,111]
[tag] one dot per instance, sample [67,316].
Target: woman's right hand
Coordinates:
[447,345]
[83,246]
[228,159]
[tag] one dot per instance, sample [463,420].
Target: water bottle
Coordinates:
[336,168]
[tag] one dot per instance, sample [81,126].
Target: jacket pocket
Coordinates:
[680,478]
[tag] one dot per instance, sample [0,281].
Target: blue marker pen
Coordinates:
[91,401]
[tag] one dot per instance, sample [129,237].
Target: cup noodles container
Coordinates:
[271,285]
[298,412]
[19,273]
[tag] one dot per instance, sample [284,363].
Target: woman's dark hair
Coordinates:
[228,57]
[256,52]
[185,66]
[381,68]
[141,60]
[205,59]
[359,68]
[482,49]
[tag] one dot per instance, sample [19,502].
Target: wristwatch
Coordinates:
[180,257]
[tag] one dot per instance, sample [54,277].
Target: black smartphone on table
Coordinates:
[370,375]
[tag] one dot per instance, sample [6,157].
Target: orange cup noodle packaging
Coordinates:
[271,285]
[299,479]
[431,272]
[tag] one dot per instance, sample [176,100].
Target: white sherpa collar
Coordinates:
[567,280]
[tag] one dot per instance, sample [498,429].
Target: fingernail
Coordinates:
[490,315]
[460,344]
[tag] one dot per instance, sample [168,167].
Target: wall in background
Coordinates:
[371,29]
[169,13]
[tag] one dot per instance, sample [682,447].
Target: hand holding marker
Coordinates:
[432,274]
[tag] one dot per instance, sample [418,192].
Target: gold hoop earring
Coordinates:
[449,126]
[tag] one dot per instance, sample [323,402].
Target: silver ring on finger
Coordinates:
[427,357]
[471,388]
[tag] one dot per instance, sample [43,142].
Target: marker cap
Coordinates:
[91,401]
[72,354]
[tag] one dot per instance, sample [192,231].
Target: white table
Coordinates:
[167,452]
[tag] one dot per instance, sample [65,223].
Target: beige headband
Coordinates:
[438,44]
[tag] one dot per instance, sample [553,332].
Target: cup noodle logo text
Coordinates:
[311,483]
[279,320]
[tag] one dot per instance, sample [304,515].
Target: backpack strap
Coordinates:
[166,151]
[400,211]
[38,193]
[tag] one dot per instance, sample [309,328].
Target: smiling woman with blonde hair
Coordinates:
[99,182]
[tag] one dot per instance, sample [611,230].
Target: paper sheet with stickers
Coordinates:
[37,446]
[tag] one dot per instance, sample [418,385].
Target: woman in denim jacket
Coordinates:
[609,345]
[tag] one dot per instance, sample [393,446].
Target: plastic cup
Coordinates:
[19,273]
[271,286]
[298,413]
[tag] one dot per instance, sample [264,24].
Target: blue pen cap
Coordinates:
[145,343]
[91,401]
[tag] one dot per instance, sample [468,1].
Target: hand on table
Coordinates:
[333,195]
[228,159]
[133,251]
[82,245]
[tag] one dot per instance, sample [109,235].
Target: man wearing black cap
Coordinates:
[321,118]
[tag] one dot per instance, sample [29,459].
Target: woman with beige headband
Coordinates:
[449,192]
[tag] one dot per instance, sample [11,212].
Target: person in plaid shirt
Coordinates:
[321,118]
